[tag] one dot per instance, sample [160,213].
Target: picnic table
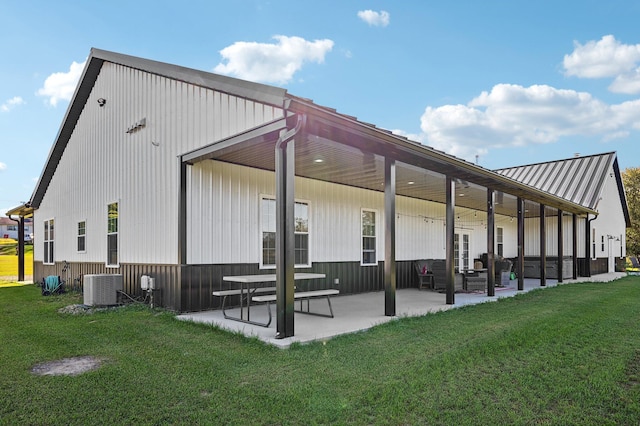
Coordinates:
[251,285]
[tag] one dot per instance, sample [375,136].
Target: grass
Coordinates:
[564,355]
[9,260]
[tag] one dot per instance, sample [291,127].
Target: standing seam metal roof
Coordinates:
[579,179]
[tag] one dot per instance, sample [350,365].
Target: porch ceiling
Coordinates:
[360,163]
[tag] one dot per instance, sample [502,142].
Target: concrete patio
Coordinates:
[354,313]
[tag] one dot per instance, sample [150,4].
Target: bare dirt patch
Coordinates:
[67,366]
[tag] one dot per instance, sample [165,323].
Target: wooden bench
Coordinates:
[302,295]
[248,295]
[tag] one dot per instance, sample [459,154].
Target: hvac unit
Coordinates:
[102,289]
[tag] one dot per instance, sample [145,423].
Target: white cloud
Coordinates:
[513,115]
[3,166]
[272,63]
[606,58]
[373,18]
[61,85]
[627,83]
[11,103]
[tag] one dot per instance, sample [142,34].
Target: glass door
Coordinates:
[461,245]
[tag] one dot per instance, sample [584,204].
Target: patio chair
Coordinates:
[503,272]
[425,274]
[634,269]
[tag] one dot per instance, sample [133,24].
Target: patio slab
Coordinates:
[359,312]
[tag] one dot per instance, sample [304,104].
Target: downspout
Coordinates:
[588,245]
[285,228]
[20,221]
[284,139]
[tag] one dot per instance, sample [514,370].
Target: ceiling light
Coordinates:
[410,182]
[318,160]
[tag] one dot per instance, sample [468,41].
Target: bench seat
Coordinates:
[302,295]
[299,295]
[233,292]
[245,294]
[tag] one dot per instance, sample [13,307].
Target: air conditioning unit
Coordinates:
[101,289]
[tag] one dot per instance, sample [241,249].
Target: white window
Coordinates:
[593,244]
[112,234]
[82,232]
[369,233]
[500,241]
[268,233]
[48,242]
[12,227]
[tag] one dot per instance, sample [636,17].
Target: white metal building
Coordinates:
[185,175]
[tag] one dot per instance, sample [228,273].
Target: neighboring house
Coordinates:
[183,175]
[9,229]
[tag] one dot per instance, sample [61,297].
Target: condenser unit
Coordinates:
[102,289]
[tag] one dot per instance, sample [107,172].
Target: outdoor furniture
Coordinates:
[503,272]
[439,270]
[303,295]
[425,274]
[249,285]
[635,266]
[532,267]
[475,279]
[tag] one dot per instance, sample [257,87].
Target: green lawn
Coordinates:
[563,355]
[9,260]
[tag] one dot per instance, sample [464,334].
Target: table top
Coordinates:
[263,278]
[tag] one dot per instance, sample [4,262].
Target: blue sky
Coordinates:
[502,83]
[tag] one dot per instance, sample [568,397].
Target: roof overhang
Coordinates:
[24,210]
[340,149]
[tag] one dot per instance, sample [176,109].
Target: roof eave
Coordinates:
[302,106]
[23,210]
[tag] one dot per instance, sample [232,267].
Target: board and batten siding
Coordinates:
[102,163]
[223,224]
[610,221]
[532,236]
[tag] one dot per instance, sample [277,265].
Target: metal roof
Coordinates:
[578,179]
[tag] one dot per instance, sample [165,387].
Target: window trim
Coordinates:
[375,237]
[117,233]
[84,236]
[262,265]
[50,257]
